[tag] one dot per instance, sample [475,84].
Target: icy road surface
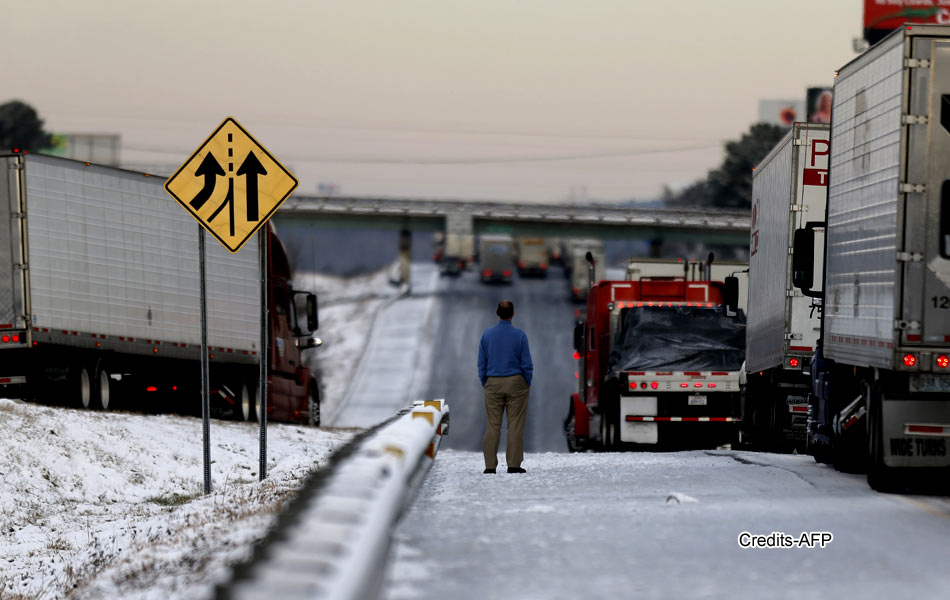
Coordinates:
[663,525]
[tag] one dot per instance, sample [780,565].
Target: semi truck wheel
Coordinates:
[245,408]
[569,422]
[79,384]
[103,391]
[313,405]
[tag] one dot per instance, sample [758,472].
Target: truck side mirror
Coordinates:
[579,337]
[731,294]
[803,259]
[313,322]
[305,307]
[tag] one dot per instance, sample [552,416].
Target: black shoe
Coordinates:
[492,471]
[516,470]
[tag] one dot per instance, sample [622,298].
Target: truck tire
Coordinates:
[79,384]
[103,399]
[245,403]
[880,476]
[313,405]
[569,422]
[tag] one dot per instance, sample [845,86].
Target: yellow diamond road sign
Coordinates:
[231,184]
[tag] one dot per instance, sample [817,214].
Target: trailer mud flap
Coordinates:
[638,432]
[916,433]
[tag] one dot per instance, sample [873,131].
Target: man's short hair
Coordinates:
[506,310]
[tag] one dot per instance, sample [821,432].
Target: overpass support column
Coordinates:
[405,257]
[656,248]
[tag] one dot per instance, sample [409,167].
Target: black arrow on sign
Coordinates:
[229,202]
[252,168]
[210,168]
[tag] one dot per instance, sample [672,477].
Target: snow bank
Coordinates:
[347,307]
[110,504]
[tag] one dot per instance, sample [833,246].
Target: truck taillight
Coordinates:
[910,360]
[943,362]
[5,339]
[793,363]
[684,385]
[507,273]
[712,385]
[654,385]
[487,272]
[577,355]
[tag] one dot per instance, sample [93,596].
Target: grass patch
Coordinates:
[173,499]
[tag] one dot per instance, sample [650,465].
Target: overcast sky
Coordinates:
[542,100]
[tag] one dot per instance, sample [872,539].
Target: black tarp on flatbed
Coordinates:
[677,338]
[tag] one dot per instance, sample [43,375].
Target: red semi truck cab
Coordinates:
[660,362]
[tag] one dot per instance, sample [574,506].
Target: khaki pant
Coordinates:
[505,395]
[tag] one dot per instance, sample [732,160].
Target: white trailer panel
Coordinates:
[112,254]
[888,283]
[863,202]
[788,191]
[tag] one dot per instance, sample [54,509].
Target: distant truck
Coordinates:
[881,377]
[99,299]
[660,363]
[455,252]
[497,256]
[789,191]
[532,257]
[577,266]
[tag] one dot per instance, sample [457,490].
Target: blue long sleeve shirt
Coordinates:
[504,351]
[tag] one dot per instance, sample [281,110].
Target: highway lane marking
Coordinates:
[926,507]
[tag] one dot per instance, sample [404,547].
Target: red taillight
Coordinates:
[943,362]
[712,385]
[643,385]
[577,375]
[654,385]
[507,273]
[16,338]
[520,264]
[910,360]
[5,339]
[697,384]
[544,266]
[151,388]
[793,362]
[684,385]
[174,388]
[577,355]
[487,272]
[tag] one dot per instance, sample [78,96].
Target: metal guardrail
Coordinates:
[335,543]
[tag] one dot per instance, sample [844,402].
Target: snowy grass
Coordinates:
[106,505]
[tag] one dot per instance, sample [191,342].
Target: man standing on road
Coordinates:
[504,368]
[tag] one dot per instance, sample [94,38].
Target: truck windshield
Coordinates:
[677,338]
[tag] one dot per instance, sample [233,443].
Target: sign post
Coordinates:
[251,189]
[205,396]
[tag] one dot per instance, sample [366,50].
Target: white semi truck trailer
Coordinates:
[789,192]
[99,299]
[881,379]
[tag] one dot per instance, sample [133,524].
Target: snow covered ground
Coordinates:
[110,505]
[663,525]
[346,309]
